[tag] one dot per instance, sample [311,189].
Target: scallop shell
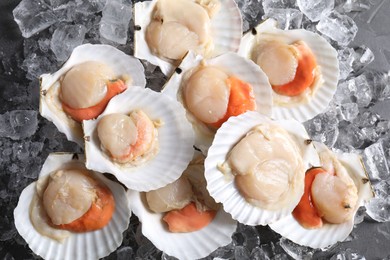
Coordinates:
[232,64]
[222,187]
[328,234]
[226,27]
[89,245]
[326,57]
[192,245]
[175,138]
[50,106]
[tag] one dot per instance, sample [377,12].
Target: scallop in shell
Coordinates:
[294,51]
[173,141]
[280,160]
[89,245]
[329,234]
[110,61]
[188,245]
[222,26]
[230,64]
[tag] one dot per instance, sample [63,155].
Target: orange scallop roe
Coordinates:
[305,212]
[305,72]
[241,100]
[114,88]
[98,215]
[188,219]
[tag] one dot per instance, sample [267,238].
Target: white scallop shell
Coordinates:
[226,28]
[192,245]
[89,245]
[175,137]
[50,106]
[232,64]
[326,57]
[222,187]
[328,234]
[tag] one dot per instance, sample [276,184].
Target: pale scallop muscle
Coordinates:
[187,13]
[175,195]
[206,94]
[41,221]
[334,194]
[84,85]
[69,195]
[171,40]
[268,166]
[278,60]
[178,26]
[117,132]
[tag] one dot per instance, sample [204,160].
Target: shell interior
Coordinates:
[232,64]
[89,245]
[192,245]
[222,187]
[328,234]
[226,28]
[175,137]
[50,105]
[327,61]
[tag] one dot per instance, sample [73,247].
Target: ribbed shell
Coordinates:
[89,245]
[120,63]
[175,140]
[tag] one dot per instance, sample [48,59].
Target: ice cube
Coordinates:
[346,58]
[33,17]
[370,134]
[348,6]
[18,124]
[286,18]
[37,64]
[349,111]
[375,162]
[379,209]
[251,12]
[363,56]
[363,93]
[347,255]
[314,9]
[324,128]
[380,83]
[240,252]
[382,189]
[65,39]
[90,7]
[366,119]
[246,236]
[124,253]
[350,138]
[280,4]
[296,251]
[338,27]
[359,216]
[115,21]
[343,93]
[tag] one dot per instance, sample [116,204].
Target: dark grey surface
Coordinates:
[370,239]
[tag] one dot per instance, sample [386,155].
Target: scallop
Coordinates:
[188,245]
[292,58]
[204,89]
[49,242]
[166,30]
[84,84]
[147,144]
[255,167]
[351,166]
